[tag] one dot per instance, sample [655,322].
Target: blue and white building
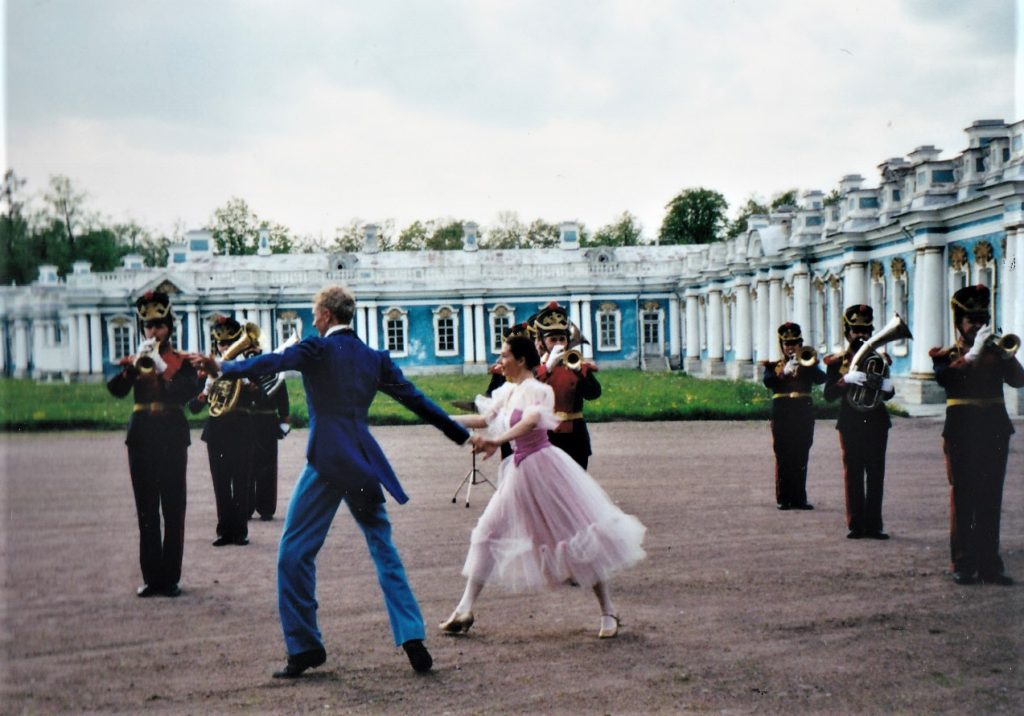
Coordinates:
[904,245]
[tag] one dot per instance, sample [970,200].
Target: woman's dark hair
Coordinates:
[523,347]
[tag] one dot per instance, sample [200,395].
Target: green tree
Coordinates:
[740,224]
[66,208]
[786,198]
[695,216]
[279,237]
[542,235]
[235,228]
[446,236]
[508,232]
[626,231]
[13,232]
[413,237]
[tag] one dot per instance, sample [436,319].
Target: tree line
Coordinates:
[58,227]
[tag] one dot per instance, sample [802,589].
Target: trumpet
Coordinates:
[572,359]
[144,362]
[1008,344]
[807,356]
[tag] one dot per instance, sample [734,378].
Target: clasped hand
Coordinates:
[482,445]
[980,339]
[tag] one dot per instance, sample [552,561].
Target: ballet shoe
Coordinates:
[609,626]
[457,623]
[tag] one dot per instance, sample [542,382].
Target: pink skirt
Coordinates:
[549,522]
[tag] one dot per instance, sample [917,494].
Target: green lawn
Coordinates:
[627,395]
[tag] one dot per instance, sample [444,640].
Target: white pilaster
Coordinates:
[20,348]
[764,320]
[360,327]
[587,328]
[774,317]
[96,343]
[715,349]
[192,332]
[930,310]
[468,334]
[72,345]
[3,347]
[372,325]
[673,329]
[802,302]
[482,356]
[855,284]
[83,343]
[744,343]
[692,361]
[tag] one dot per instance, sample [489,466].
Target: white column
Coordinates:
[361,320]
[586,327]
[267,328]
[3,347]
[855,284]
[468,339]
[1013,280]
[743,348]
[835,312]
[192,332]
[763,335]
[930,309]
[372,325]
[802,301]
[37,339]
[83,343]
[20,348]
[72,346]
[692,331]
[774,318]
[574,311]
[715,350]
[96,343]
[482,356]
[673,328]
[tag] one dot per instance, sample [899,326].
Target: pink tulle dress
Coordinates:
[549,521]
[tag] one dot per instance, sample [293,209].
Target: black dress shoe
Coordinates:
[298,663]
[222,541]
[785,506]
[876,535]
[266,518]
[147,590]
[171,591]
[240,541]
[963,578]
[854,534]
[418,655]
[803,506]
[1003,580]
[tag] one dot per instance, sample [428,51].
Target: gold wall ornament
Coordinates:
[957,257]
[877,270]
[983,253]
[608,307]
[651,306]
[898,268]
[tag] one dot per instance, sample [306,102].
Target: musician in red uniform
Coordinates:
[863,433]
[792,418]
[976,435]
[572,382]
[158,438]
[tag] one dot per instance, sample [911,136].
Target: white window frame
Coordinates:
[446,313]
[500,312]
[291,322]
[114,324]
[610,312]
[400,316]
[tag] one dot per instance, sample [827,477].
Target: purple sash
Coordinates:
[528,444]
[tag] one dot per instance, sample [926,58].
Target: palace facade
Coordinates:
[929,226]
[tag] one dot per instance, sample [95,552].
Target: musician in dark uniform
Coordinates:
[976,435]
[163,380]
[229,439]
[863,434]
[792,421]
[572,382]
[270,423]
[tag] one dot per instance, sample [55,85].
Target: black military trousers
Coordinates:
[263,491]
[231,469]
[791,439]
[863,449]
[976,468]
[158,481]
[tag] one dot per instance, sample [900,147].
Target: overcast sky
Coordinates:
[318,112]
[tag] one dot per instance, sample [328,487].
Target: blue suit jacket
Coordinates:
[341,375]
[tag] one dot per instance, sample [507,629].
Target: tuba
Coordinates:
[270,384]
[224,393]
[868,360]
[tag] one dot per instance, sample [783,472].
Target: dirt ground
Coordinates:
[738,607]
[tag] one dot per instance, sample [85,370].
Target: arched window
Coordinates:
[502,318]
[288,324]
[120,337]
[609,323]
[396,331]
[446,331]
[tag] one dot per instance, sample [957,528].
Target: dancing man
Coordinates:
[976,435]
[341,376]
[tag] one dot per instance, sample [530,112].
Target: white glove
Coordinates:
[555,356]
[791,367]
[855,377]
[285,428]
[984,333]
[158,363]
[886,385]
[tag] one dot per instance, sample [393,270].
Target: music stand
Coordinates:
[473,477]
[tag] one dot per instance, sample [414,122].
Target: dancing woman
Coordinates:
[549,523]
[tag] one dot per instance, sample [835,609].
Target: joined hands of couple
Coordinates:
[483,445]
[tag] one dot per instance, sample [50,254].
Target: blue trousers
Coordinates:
[310,513]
